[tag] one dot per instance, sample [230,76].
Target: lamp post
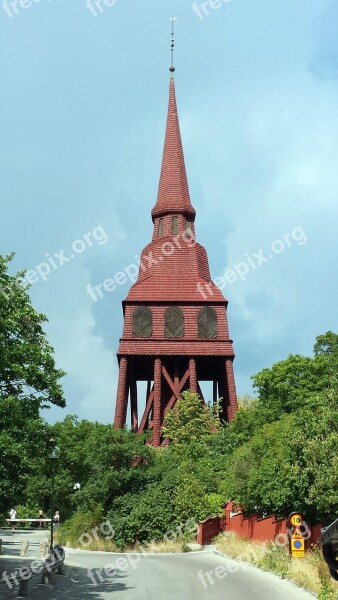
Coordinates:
[53,454]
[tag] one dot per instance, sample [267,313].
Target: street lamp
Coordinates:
[53,454]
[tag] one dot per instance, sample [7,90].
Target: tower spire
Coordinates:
[172,68]
[175,331]
[173,191]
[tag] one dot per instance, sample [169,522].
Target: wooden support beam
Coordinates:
[176,394]
[214,391]
[157,403]
[147,409]
[192,375]
[133,399]
[122,399]
[199,391]
[148,389]
[232,395]
[175,388]
[176,375]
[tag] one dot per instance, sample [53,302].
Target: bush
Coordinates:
[79,528]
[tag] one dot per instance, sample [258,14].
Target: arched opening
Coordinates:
[160,227]
[207,323]
[174,322]
[174,225]
[142,322]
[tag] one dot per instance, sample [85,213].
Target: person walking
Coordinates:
[42,516]
[56,520]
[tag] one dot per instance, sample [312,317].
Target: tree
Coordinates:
[291,463]
[266,473]
[282,448]
[277,455]
[142,516]
[23,438]
[190,419]
[95,455]
[287,385]
[27,365]
[246,401]
[327,345]
[318,438]
[28,379]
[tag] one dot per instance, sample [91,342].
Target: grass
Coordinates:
[310,572]
[69,540]
[163,547]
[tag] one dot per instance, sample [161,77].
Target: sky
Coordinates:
[84,94]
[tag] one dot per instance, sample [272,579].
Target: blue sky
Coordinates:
[83,108]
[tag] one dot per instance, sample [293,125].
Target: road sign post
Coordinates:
[297,542]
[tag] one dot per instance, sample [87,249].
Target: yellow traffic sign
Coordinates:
[297,535]
[297,543]
[297,548]
[296,519]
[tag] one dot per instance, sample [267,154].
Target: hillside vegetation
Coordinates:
[279,453]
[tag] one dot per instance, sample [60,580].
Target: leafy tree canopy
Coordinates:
[287,385]
[290,464]
[190,419]
[23,437]
[27,365]
[283,446]
[28,379]
[279,454]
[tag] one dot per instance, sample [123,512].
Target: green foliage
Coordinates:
[246,401]
[23,436]
[175,485]
[190,419]
[143,516]
[80,525]
[28,379]
[266,471]
[185,547]
[327,591]
[288,384]
[290,464]
[27,366]
[284,445]
[94,455]
[278,455]
[276,559]
[27,511]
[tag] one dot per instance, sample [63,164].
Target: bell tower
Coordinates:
[175,331]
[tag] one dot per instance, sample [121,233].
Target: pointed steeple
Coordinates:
[175,332]
[173,191]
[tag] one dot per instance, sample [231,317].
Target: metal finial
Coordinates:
[172,68]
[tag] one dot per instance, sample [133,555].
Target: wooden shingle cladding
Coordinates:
[175,331]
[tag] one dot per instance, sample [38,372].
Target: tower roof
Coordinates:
[173,190]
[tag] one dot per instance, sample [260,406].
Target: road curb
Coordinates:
[72,551]
[219,553]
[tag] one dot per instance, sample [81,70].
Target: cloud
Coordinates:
[82,144]
[81,351]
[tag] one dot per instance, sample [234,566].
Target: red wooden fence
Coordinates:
[253,527]
[207,530]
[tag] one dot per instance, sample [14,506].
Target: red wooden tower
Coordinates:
[175,332]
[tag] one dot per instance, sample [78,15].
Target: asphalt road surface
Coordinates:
[190,576]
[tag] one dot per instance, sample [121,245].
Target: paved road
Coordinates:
[191,576]
[10,561]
